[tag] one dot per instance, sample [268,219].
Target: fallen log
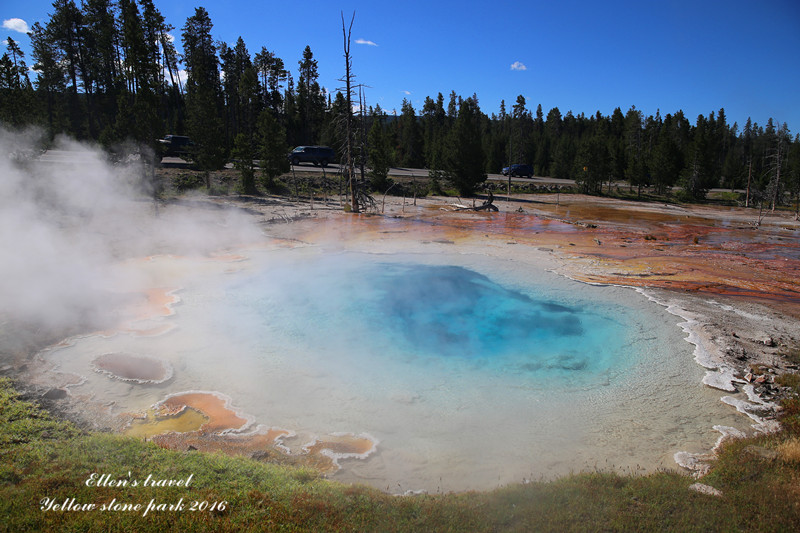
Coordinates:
[487,205]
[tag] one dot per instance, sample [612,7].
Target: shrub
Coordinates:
[189,181]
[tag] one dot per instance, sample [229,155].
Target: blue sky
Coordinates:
[576,55]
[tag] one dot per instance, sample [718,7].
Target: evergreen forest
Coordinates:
[109,72]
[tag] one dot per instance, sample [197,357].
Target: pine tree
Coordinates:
[562,164]
[159,52]
[635,152]
[50,76]
[20,78]
[793,174]
[310,100]
[496,140]
[464,158]
[236,64]
[777,165]
[452,107]
[592,164]
[273,73]
[16,91]
[666,163]
[434,123]
[290,116]
[66,30]
[203,103]
[250,100]
[333,132]
[248,105]
[271,142]
[379,162]
[244,154]
[410,147]
[140,93]
[546,152]
[520,130]
[9,108]
[101,37]
[698,176]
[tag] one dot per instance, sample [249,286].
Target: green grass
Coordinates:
[41,457]
[725,198]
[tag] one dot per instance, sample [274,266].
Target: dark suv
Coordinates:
[518,171]
[319,155]
[175,145]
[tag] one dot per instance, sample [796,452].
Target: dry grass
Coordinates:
[789,451]
[790,380]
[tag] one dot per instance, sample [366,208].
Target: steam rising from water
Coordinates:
[469,371]
[68,217]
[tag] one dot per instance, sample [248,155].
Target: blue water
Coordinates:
[367,311]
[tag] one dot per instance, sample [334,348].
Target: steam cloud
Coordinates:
[69,219]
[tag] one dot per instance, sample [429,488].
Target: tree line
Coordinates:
[108,71]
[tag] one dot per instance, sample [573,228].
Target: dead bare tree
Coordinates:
[776,164]
[362,131]
[359,198]
[749,179]
[349,163]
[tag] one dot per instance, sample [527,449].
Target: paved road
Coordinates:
[422,173]
[67,157]
[393,171]
[398,172]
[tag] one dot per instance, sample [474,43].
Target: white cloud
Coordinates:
[365,41]
[518,65]
[181,76]
[16,25]
[407,93]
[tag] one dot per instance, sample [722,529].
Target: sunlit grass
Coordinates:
[789,450]
[45,458]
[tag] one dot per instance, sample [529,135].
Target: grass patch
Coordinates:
[789,450]
[793,356]
[789,380]
[187,181]
[730,198]
[43,460]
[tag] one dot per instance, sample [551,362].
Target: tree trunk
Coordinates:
[349,166]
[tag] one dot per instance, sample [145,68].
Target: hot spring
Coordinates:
[469,371]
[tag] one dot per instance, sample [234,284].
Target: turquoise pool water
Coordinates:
[469,370]
[380,312]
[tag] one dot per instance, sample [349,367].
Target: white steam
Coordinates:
[68,220]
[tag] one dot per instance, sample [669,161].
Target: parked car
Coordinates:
[175,145]
[518,171]
[319,155]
